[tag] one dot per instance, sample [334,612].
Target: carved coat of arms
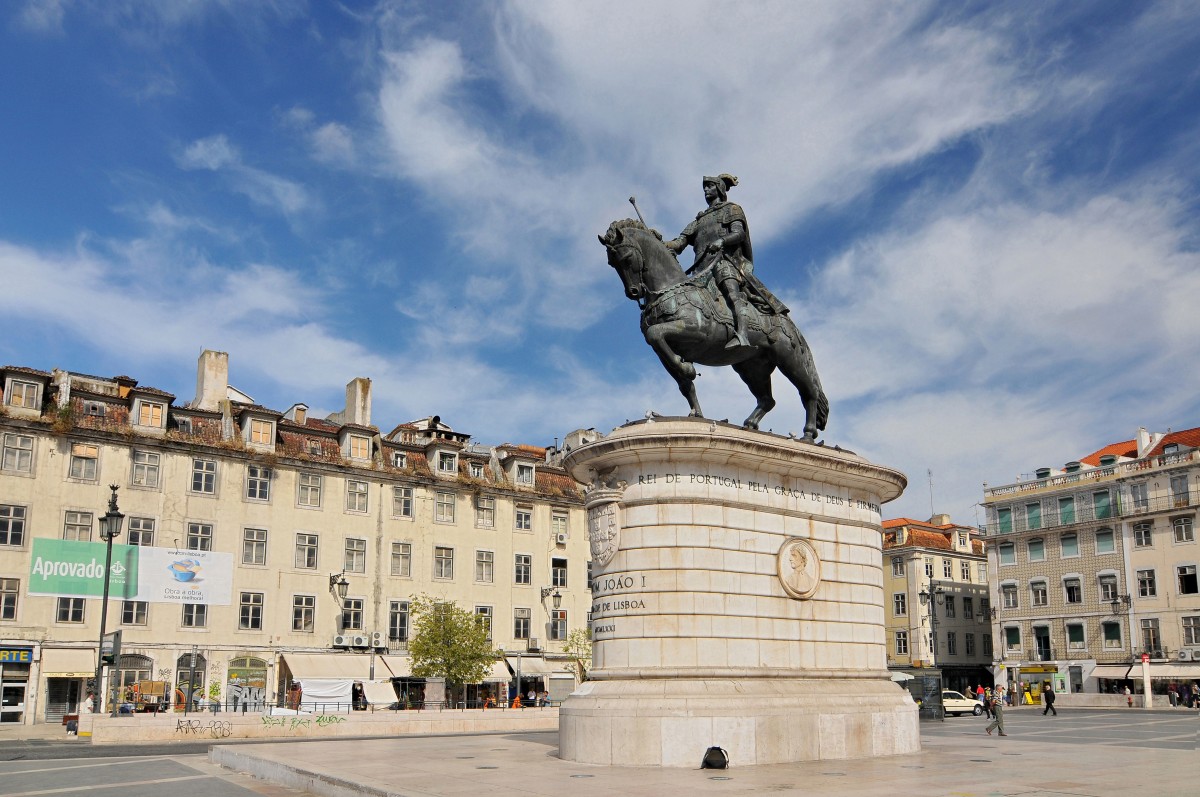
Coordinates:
[604,524]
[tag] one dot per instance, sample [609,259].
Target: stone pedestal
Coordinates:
[737,601]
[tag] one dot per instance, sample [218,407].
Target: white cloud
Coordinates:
[332,143]
[43,16]
[215,153]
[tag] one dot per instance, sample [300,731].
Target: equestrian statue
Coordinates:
[718,312]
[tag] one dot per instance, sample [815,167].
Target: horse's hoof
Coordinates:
[749,425]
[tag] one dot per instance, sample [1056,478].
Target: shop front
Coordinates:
[68,673]
[15,663]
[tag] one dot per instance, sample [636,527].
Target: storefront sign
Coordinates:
[16,655]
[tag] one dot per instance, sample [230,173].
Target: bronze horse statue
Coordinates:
[685,320]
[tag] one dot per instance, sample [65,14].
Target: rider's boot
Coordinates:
[741,309]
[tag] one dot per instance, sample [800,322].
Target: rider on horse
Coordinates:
[721,240]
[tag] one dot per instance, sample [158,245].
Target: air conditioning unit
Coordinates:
[341,641]
[1185,654]
[378,640]
[561,538]
[360,641]
[532,645]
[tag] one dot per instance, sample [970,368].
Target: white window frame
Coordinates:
[260,432]
[19,394]
[204,472]
[304,614]
[13,518]
[254,547]
[16,453]
[444,506]
[447,463]
[1183,530]
[251,607]
[443,563]
[200,533]
[194,615]
[309,487]
[84,455]
[144,465]
[258,483]
[359,447]
[355,559]
[307,541]
[526,474]
[523,519]
[485,511]
[357,496]
[899,604]
[402,502]
[400,563]
[901,640]
[156,410]
[897,566]
[485,566]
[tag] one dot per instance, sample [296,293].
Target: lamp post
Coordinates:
[338,585]
[931,596]
[110,527]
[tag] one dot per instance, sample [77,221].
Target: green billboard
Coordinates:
[76,569]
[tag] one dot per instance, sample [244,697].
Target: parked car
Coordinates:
[954,704]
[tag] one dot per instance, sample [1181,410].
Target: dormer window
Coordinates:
[94,408]
[360,447]
[1171,448]
[525,475]
[261,432]
[314,448]
[150,413]
[447,462]
[184,425]
[26,395]
[399,459]
[476,470]
[962,539]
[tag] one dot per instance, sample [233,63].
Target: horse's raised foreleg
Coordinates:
[682,371]
[756,373]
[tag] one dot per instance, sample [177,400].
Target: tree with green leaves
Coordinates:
[578,648]
[449,642]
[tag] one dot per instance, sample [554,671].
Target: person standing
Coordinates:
[998,710]
[987,702]
[1048,699]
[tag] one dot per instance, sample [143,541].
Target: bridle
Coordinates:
[641,271]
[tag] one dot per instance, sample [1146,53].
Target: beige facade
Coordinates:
[948,628]
[1095,566]
[295,504]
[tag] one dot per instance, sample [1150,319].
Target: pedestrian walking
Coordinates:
[998,710]
[1048,699]
[987,702]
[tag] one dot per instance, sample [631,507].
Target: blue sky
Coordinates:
[983,216]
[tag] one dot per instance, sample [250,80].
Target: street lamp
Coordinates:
[1121,602]
[554,594]
[338,585]
[110,527]
[931,596]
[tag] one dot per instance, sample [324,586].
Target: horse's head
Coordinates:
[624,243]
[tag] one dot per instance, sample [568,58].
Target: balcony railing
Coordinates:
[1040,654]
[1124,508]
[1093,474]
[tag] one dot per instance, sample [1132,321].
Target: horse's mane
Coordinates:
[634,224]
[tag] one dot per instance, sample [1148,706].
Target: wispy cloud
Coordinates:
[216,154]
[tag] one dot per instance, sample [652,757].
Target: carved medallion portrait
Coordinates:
[799,568]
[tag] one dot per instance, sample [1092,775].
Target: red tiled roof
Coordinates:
[20,369]
[153,391]
[1126,448]
[1188,438]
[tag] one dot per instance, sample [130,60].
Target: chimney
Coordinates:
[212,380]
[939,520]
[358,402]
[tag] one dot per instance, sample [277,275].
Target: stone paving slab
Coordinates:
[957,758]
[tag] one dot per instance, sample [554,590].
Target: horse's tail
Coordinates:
[822,407]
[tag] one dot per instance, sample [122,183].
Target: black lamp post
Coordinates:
[931,596]
[110,527]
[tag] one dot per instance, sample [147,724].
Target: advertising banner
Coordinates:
[166,575]
[69,568]
[73,569]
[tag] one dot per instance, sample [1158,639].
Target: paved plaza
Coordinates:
[1077,753]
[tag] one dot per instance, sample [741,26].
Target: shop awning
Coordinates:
[396,666]
[1190,672]
[499,672]
[68,662]
[535,665]
[1116,671]
[401,667]
[379,693]
[354,666]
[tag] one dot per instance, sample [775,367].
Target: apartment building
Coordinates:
[264,552]
[937,617]
[1094,567]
